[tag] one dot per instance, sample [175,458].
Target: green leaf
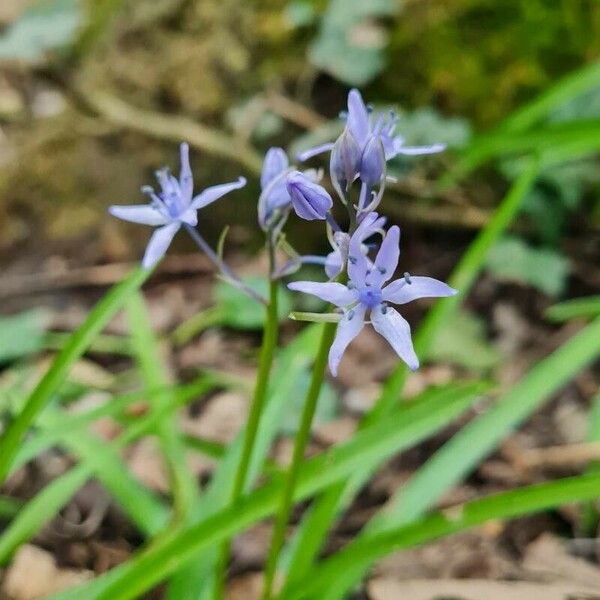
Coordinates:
[587,307]
[364,451]
[511,259]
[96,320]
[349,45]
[47,25]
[56,494]
[324,510]
[475,441]
[505,505]
[326,406]
[462,341]
[154,375]
[238,311]
[21,334]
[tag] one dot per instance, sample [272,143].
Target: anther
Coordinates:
[407,278]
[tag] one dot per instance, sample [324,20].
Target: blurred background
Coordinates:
[97,94]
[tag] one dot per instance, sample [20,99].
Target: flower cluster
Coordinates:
[361,288]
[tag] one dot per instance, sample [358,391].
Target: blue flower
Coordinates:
[369,132]
[368,291]
[172,207]
[371,224]
[365,126]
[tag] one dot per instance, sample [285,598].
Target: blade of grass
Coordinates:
[145,508]
[32,517]
[9,507]
[569,87]
[144,346]
[479,438]
[196,581]
[311,534]
[40,509]
[97,319]
[504,505]
[560,142]
[369,447]
[53,432]
[578,308]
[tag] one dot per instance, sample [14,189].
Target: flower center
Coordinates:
[370,297]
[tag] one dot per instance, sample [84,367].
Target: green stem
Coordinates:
[310,405]
[269,343]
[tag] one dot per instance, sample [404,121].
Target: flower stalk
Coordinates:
[300,442]
[267,352]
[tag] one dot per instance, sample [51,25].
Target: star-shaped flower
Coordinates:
[172,207]
[368,291]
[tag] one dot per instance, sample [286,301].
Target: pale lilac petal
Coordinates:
[333,263]
[420,150]
[302,156]
[333,292]
[387,257]
[275,163]
[215,192]
[186,181]
[358,117]
[401,292]
[348,328]
[190,216]
[358,263]
[143,214]
[396,330]
[158,244]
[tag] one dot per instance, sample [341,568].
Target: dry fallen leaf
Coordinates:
[475,589]
[34,574]
[548,558]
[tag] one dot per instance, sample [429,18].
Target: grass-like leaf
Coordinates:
[318,520]
[145,348]
[478,439]
[505,505]
[368,448]
[96,320]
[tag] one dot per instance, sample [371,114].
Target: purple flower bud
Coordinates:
[372,166]
[345,162]
[310,200]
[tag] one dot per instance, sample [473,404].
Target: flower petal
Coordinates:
[315,151]
[143,214]
[401,292]
[419,150]
[358,263]
[358,117]
[333,263]
[158,244]
[275,163]
[396,330]
[348,328]
[186,181]
[215,192]
[387,257]
[333,292]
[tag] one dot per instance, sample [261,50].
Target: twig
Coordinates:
[170,127]
[293,111]
[101,275]
[557,456]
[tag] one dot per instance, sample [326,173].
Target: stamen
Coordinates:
[350,315]
[352,259]
[384,308]
[407,278]
[382,270]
